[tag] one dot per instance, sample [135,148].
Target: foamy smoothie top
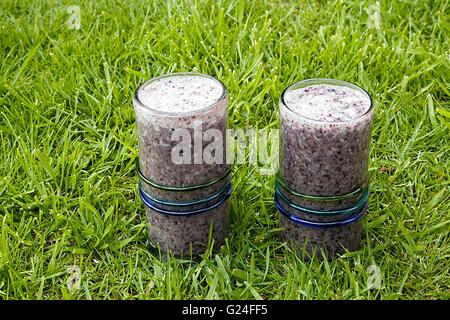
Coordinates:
[180,93]
[327,102]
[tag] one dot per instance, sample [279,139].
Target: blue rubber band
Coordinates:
[148,202]
[314,224]
[185,203]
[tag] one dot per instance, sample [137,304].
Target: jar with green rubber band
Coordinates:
[322,208]
[184,193]
[187,228]
[325,128]
[322,187]
[184,188]
[312,237]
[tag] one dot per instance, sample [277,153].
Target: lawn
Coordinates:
[68,145]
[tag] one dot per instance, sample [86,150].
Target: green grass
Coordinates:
[68,144]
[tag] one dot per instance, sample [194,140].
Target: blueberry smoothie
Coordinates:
[193,103]
[325,135]
[186,234]
[334,240]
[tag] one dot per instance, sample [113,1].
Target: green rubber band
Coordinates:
[183,188]
[215,195]
[362,201]
[320,198]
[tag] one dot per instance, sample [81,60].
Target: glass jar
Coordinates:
[324,143]
[184,180]
[311,237]
[186,229]
[181,120]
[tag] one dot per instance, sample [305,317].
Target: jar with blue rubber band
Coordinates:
[184,186]
[331,237]
[312,230]
[321,202]
[321,209]
[322,187]
[186,194]
[186,228]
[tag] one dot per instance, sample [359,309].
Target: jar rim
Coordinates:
[330,81]
[138,101]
